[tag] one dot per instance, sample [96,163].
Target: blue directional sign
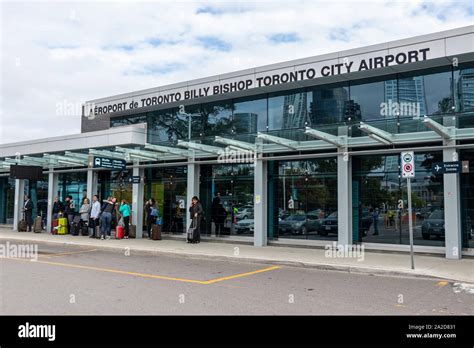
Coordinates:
[109,163]
[446,167]
[134,179]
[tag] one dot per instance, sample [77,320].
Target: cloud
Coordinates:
[57,53]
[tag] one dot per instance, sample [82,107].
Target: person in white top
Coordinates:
[94,217]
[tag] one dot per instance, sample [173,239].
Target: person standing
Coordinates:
[58,207]
[94,216]
[85,212]
[106,218]
[28,209]
[125,211]
[70,210]
[195,214]
[375,216]
[148,216]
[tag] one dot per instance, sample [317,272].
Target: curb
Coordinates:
[291,263]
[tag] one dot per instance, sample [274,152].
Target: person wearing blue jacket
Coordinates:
[125,212]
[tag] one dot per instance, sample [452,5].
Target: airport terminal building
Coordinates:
[304,152]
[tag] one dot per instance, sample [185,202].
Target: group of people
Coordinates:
[95,215]
[109,214]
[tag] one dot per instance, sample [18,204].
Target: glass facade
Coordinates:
[7,196]
[167,186]
[114,183]
[303,194]
[388,102]
[226,193]
[467,200]
[303,199]
[73,184]
[377,191]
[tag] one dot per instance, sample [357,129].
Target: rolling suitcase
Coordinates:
[97,232]
[38,225]
[84,228]
[75,225]
[193,233]
[62,226]
[155,232]
[120,232]
[54,226]
[22,226]
[132,231]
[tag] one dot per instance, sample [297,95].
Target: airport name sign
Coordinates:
[331,67]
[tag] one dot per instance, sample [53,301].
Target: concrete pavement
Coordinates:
[72,279]
[377,263]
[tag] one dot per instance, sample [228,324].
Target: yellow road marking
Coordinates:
[153,276]
[212,281]
[67,253]
[443,283]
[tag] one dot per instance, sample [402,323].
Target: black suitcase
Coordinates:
[84,228]
[75,228]
[193,233]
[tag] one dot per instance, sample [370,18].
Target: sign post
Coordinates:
[408,172]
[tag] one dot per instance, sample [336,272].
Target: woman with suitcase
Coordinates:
[195,214]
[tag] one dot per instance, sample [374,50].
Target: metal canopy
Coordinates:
[82,156]
[67,160]
[292,144]
[140,154]
[167,150]
[377,133]
[201,147]
[107,153]
[329,138]
[235,144]
[443,131]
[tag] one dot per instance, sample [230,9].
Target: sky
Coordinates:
[57,55]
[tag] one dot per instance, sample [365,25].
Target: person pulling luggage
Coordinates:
[195,214]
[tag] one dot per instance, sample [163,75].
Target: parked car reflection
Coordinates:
[244,226]
[433,225]
[300,223]
[329,224]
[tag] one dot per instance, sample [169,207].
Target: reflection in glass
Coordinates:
[332,105]
[303,197]
[288,111]
[380,202]
[250,116]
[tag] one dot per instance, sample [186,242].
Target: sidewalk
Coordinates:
[374,262]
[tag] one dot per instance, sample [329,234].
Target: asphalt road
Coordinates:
[79,280]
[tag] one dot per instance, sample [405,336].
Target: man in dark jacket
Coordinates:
[28,209]
[69,210]
[58,207]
